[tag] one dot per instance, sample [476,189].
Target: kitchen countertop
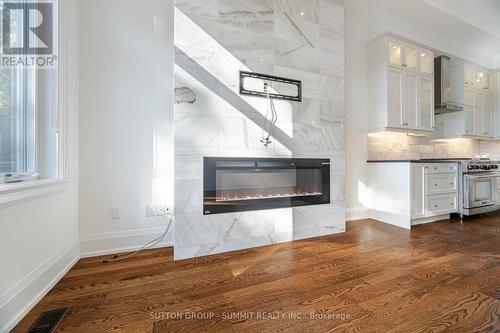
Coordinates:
[441,160]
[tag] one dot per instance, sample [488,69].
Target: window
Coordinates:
[17,121]
[28,97]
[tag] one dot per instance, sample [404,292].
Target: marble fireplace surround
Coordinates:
[215,39]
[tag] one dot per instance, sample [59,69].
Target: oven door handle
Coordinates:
[483,177]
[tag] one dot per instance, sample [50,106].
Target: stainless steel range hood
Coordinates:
[442,87]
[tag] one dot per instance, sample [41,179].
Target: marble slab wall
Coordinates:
[400,146]
[215,39]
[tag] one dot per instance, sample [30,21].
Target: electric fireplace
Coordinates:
[246,184]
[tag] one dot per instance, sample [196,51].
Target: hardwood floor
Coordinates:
[440,277]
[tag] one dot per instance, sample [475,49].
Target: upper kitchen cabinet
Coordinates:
[426,62]
[407,56]
[496,103]
[400,86]
[473,77]
[471,88]
[483,80]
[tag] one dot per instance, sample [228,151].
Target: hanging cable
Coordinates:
[266,135]
[119,257]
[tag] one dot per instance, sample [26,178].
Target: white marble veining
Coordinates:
[307,10]
[291,38]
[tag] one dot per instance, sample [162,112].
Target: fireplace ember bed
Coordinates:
[247,184]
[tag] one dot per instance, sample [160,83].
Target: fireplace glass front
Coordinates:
[245,184]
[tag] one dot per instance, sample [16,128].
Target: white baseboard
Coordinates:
[16,302]
[356,213]
[93,245]
[430,219]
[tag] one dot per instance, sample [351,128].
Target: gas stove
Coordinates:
[478,187]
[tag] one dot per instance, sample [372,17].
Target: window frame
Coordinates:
[30,189]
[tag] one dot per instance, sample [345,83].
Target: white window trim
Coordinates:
[14,193]
[30,190]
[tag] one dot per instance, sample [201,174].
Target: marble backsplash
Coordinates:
[215,39]
[400,146]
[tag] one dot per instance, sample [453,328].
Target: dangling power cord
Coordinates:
[119,257]
[266,139]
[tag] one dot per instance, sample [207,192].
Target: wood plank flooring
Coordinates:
[440,277]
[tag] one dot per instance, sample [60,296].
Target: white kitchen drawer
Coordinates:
[441,167]
[441,204]
[441,183]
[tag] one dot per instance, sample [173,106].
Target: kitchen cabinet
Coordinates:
[469,75]
[400,86]
[395,97]
[496,103]
[411,193]
[471,87]
[425,103]
[469,112]
[482,80]
[410,100]
[487,114]
[437,189]
[498,193]
[478,113]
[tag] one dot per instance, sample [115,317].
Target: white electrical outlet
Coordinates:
[115,212]
[162,210]
[153,210]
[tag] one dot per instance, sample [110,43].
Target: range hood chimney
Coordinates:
[442,87]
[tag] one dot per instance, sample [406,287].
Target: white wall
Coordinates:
[356,106]
[126,121]
[39,237]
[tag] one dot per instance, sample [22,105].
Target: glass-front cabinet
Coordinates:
[402,89]
[476,97]
[395,53]
[482,80]
[410,57]
[469,76]
[426,62]
[426,103]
